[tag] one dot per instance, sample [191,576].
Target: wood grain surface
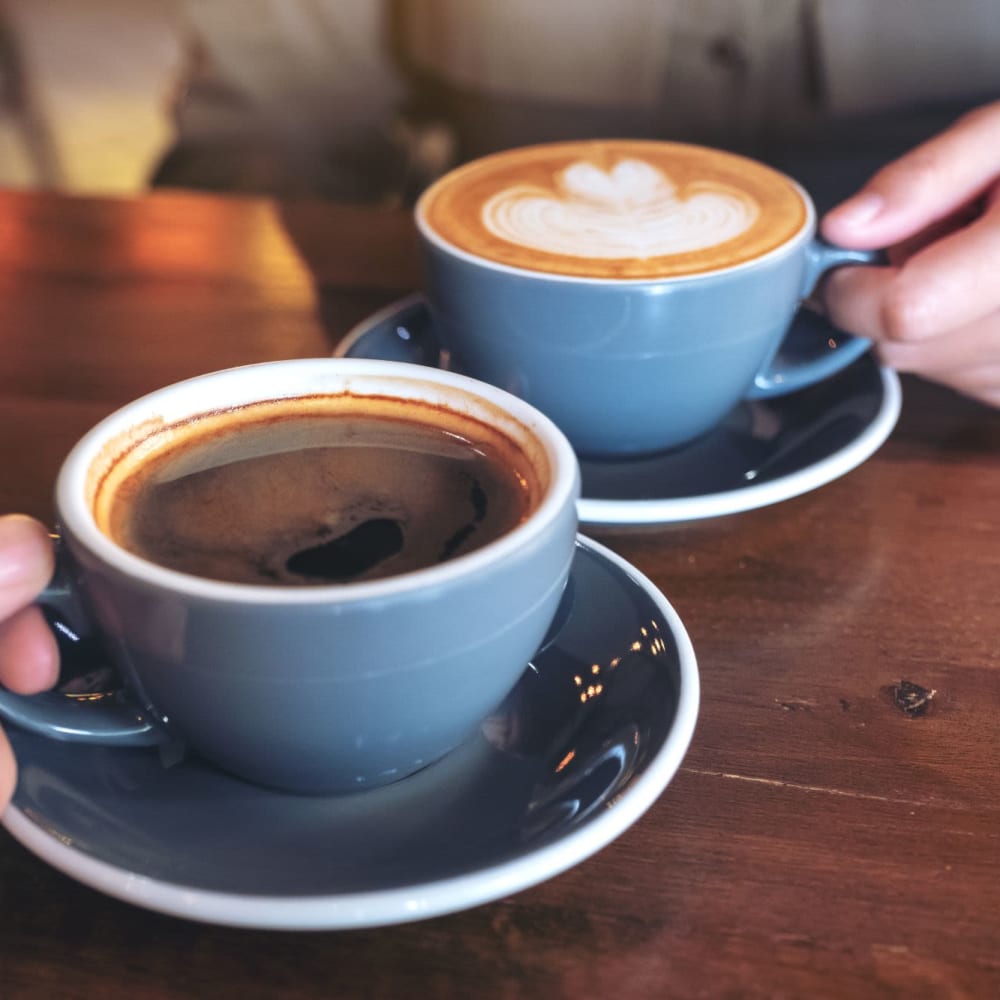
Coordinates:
[819,840]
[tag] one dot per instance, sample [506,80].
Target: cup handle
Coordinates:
[92,706]
[830,349]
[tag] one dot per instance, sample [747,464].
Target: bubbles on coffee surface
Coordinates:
[313,500]
[632,210]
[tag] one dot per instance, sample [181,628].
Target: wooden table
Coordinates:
[818,841]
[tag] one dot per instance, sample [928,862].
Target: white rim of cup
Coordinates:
[804,233]
[194,396]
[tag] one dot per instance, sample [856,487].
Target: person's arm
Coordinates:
[29,659]
[935,310]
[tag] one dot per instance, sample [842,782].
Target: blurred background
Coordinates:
[369,100]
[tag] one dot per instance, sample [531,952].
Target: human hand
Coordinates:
[935,310]
[29,658]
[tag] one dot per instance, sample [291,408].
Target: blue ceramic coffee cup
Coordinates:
[328,688]
[627,366]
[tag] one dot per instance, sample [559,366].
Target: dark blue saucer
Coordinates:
[591,736]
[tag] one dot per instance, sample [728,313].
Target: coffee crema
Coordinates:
[618,209]
[315,490]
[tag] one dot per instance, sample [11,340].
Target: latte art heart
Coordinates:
[614,209]
[632,210]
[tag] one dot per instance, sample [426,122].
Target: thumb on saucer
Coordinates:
[29,657]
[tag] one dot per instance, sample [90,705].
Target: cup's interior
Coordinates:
[118,451]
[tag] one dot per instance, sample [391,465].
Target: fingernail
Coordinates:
[860,210]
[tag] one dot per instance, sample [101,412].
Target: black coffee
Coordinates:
[302,498]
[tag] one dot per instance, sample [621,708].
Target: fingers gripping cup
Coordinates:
[634,291]
[321,575]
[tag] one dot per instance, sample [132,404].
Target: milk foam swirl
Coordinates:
[631,211]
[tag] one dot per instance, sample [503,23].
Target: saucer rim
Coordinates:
[597,512]
[437,897]
[805,480]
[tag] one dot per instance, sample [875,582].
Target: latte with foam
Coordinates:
[625,209]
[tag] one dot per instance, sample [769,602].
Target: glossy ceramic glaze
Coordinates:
[764,451]
[628,367]
[328,688]
[583,745]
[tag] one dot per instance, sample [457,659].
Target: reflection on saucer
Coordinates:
[581,748]
[764,452]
